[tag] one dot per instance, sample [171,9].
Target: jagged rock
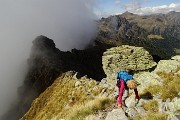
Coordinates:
[173,106]
[167,66]
[103,81]
[140,103]
[147,79]
[92,117]
[162,107]
[173,116]
[168,106]
[125,57]
[141,110]
[131,112]
[116,114]
[130,101]
[78,83]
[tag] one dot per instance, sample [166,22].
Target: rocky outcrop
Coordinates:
[125,58]
[167,109]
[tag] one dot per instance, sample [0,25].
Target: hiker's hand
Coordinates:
[116,97]
[119,105]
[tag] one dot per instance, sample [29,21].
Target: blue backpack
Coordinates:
[124,75]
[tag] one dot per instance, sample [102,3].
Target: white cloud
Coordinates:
[131,6]
[158,9]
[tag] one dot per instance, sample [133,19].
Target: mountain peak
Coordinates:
[127,13]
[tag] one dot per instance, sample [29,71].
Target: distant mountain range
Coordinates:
[158,33]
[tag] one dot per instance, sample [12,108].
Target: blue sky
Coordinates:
[108,7]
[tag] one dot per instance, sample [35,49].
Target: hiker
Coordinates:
[124,82]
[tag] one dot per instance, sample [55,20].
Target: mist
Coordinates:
[70,23]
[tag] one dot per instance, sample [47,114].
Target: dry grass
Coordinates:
[171,85]
[81,111]
[151,106]
[153,89]
[153,116]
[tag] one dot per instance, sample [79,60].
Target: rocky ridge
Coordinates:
[48,101]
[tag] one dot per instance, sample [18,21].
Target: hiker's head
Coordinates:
[131,72]
[131,84]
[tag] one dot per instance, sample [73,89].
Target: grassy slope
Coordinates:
[64,101]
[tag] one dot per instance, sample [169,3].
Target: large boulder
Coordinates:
[125,57]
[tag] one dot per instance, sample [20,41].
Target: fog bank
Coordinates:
[70,23]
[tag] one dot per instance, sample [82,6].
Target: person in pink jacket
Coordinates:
[124,86]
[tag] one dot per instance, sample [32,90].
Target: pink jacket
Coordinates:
[121,90]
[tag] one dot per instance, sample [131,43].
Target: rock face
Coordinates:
[123,58]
